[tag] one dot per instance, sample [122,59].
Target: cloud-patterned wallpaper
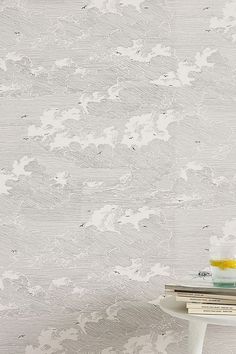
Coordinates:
[117,164]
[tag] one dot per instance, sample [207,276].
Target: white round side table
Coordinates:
[197,323]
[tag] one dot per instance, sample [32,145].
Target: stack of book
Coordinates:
[205,298]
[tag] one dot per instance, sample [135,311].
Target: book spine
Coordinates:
[210,306]
[205,295]
[210,290]
[205,300]
[211,312]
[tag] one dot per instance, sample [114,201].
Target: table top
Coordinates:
[178,309]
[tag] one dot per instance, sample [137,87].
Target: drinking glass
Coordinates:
[223,262]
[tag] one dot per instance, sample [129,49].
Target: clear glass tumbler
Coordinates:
[223,262]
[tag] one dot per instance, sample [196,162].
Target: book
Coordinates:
[204,295]
[199,286]
[212,312]
[202,300]
[210,306]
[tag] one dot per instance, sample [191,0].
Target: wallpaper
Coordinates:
[117,165]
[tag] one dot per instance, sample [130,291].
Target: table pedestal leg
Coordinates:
[196,334]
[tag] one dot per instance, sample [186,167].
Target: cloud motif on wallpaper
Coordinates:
[9,306]
[112,93]
[53,129]
[135,271]
[104,218]
[198,166]
[228,20]
[92,184]
[18,169]
[111,314]
[8,88]
[109,216]
[83,319]
[10,57]
[61,63]
[192,165]
[61,282]
[61,178]
[3,64]
[4,178]
[134,218]
[111,6]
[8,274]
[151,343]
[86,98]
[62,140]
[181,76]
[135,52]
[229,227]
[148,343]
[52,122]
[112,311]
[67,284]
[52,339]
[139,130]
